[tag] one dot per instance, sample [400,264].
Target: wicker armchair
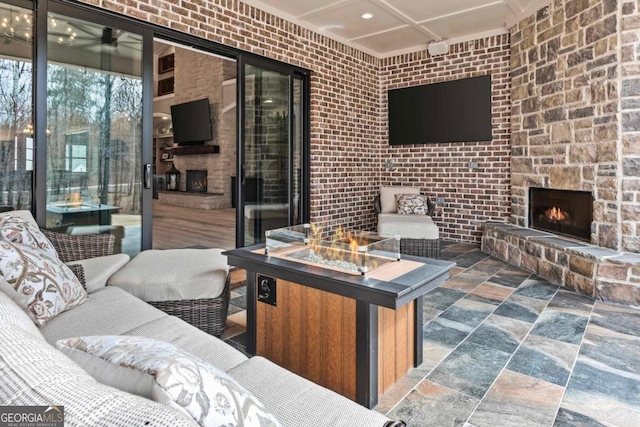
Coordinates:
[72,248]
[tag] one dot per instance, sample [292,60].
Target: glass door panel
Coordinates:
[266,162]
[16,127]
[94,130]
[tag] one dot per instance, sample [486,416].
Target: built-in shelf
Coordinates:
[196,149]
[161,97]
[163,135]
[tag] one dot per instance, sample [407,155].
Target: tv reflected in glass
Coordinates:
[192,122]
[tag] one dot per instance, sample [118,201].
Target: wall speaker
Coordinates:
[439,47]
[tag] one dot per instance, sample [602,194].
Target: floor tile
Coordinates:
[604,394]
[625,320]
[516,400]
[545,359]
[560,326]
[433,405]
[492,294]
[521,308]
[538,288]
[239,318]
[470,258]
[442,298]
[470,369]
[468,312]
[233,309]
[500,333]
[507,277]
[618,351]
[428,314]
[567,418]
[487,267]
[571,302]
[240,301]
[445,332]
[232,329]
[463,282]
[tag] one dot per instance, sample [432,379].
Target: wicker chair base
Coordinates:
[428,248]
[206,314]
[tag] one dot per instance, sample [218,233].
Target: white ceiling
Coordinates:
[401,26]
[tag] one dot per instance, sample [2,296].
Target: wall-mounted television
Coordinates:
[192,122]
[453,111]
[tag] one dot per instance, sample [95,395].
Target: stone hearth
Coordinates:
[600,273]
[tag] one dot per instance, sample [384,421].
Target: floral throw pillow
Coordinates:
[173,377]
[45,284]
[18,231]
[412,204]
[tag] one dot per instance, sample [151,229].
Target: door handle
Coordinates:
[243,175]
[147,175]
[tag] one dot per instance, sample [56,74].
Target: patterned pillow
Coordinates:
[19,231]
[45,283]
[169,375]
[412,204]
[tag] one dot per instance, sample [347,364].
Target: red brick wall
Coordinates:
[349,116]
[441,170]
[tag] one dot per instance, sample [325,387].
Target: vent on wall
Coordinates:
[439,47]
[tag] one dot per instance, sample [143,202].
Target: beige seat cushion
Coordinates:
[174,274]
[98,270]
[407,226]
[388,197]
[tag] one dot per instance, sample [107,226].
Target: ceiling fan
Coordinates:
[95,37]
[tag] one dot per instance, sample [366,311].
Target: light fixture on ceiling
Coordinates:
[367,15]
[438,47]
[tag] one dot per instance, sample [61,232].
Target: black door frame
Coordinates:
[148,31]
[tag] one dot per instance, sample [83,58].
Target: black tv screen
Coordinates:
[453,111]
[191,122]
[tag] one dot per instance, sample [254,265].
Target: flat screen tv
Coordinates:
[192,122]
[453,111]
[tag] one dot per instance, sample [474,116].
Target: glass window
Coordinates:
[16,130]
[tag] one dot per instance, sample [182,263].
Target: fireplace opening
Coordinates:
[564,212]
[197,181]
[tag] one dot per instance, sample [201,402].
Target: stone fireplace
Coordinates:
[197,181]
[564,212]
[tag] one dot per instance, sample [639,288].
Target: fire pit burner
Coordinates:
[350,252]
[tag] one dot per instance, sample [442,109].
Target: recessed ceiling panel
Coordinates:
[420,10]
[478,21]
[345,20]
[395,40]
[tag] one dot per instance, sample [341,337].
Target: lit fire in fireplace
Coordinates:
[555,215]
[199,184]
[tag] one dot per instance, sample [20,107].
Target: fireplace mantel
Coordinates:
[196,149]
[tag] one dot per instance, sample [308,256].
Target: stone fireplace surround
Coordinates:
[601,273]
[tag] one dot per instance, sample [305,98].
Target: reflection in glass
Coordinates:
[94,115]
[16,130]
[266,149]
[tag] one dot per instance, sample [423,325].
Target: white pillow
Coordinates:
[167,374]
[47,286]
[388,197]
[20,231]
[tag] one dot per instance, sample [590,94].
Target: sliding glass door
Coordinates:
[271,151]
[94,130]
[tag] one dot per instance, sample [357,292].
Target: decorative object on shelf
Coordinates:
[165,156]
[173,179]
[165,129]
[165,86]
[166,63]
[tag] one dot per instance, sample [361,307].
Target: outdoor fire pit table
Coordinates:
[355,329]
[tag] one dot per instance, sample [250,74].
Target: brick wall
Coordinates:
[472,196]
[345,104]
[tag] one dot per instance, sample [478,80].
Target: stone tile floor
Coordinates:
[503,347]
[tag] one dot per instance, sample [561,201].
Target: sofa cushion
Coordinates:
[12,314]
[98,270]
[407,226]
[34,373]
[22,230]
[285,393]
[388,197]
[412,204]
[174,274]
[109,311]
[191,339]
[47,285]
[160,371]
